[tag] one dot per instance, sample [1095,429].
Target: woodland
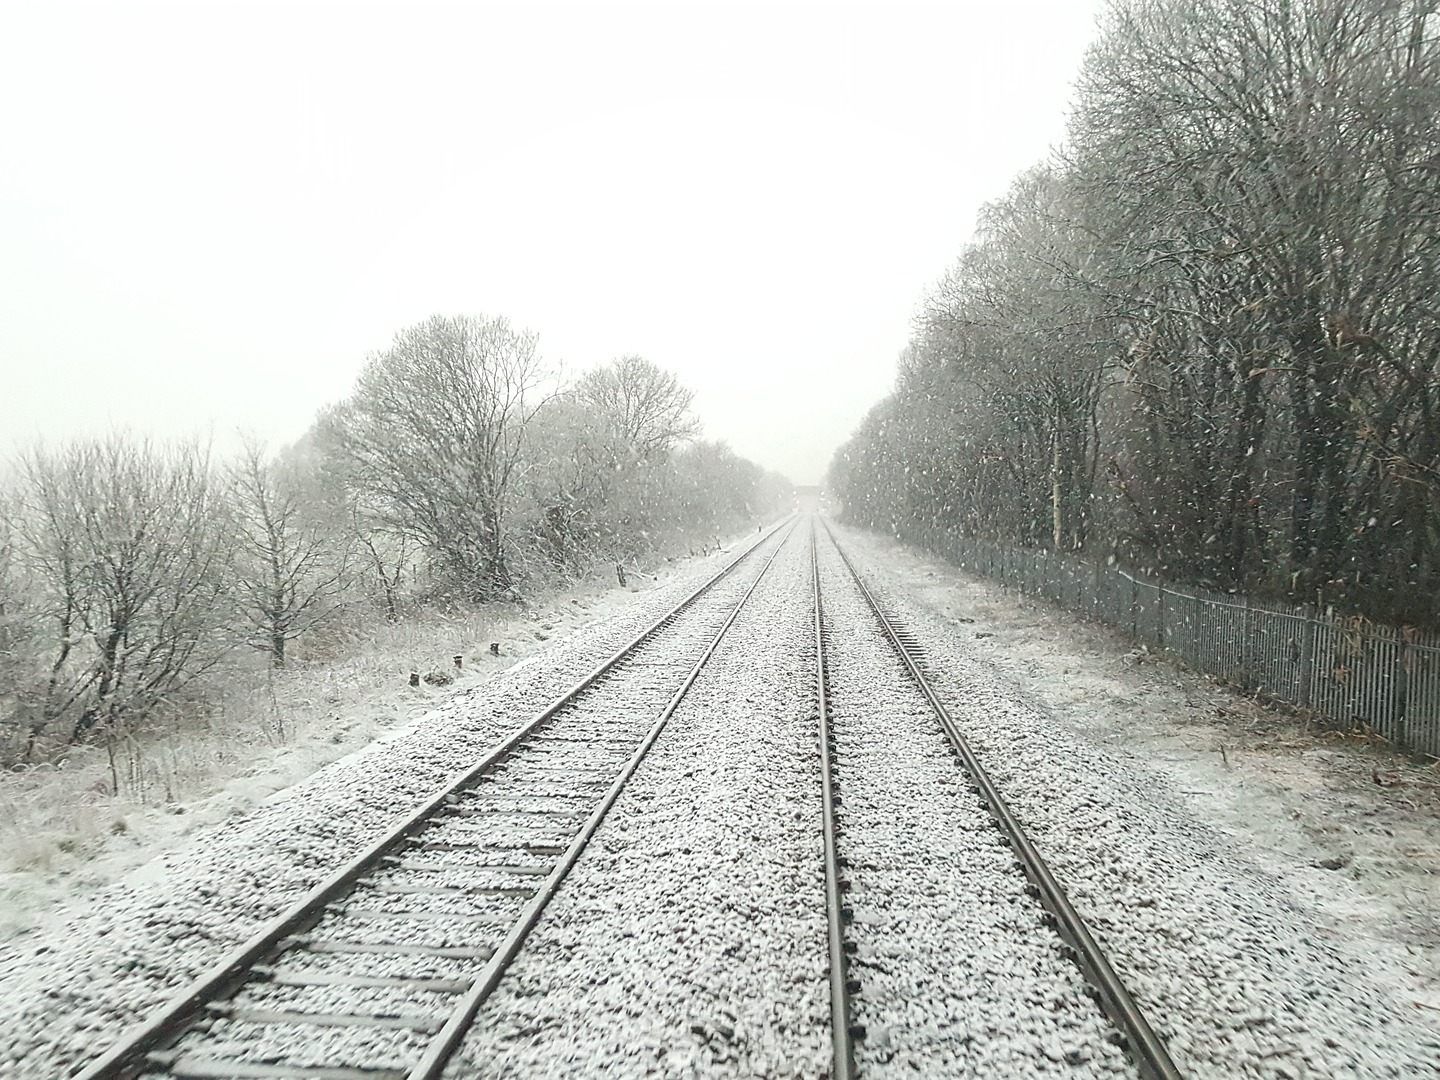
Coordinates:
[1203,338]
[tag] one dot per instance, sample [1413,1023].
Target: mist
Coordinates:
[213,213]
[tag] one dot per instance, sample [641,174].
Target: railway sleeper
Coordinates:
[449,952]
[282,977]
[251,1015]
[191,1066]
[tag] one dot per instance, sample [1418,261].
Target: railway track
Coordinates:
[852,863]
[378,972]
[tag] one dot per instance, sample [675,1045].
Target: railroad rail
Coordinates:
[435,910]
[842,1030]
[1136,1036]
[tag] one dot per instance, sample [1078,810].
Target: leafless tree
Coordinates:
[572,477]
[433,434]
[128,542]
[1012,340]
[8,565]
[17,633]
[1206,335]
[289,572]
[1274,166]
[386,556]
[646,405]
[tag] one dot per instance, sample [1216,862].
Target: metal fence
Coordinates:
[1346,671]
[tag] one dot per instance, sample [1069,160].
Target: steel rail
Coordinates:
[841,1034]
[1144,1046]
[126,1058]
[432,1065]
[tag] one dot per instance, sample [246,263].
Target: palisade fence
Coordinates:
[1347,672]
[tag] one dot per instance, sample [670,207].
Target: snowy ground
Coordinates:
[1254,957]
[1363,855]
[64,839]
[957,973]
[563,770]
[68,988]
[689,939]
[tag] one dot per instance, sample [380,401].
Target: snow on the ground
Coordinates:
[328,711]
[1363,855]
[1258,960]
[68,989]
[1231,941]
[564,768]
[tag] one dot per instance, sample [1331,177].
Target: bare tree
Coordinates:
[433,435]
[1273,165]
[1012,340]
[9,567]
[289,572]
[128,543]
[17,638]
[646,405]
[572,476]
[48,519]
[716,487]
[386,555]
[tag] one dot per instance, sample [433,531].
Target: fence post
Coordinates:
[1134,607]
[1247,681]
[1306,680]
[1160,624]
[1402,690]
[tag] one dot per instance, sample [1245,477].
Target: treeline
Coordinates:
[458,471]
[1203,338]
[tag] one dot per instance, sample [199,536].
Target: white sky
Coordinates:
[210,214]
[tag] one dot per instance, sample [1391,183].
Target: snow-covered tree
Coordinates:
[432,438]
[289,571]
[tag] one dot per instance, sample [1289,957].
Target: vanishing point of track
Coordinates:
[456,885]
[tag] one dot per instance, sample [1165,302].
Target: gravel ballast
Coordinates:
[66,1000]
[689,939]
[1237,979]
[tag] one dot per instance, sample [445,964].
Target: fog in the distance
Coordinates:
[211,214]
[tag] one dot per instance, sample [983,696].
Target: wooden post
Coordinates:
[459,661]
[1160,624]
[414,678]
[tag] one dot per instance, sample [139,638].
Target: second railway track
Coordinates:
[953,950]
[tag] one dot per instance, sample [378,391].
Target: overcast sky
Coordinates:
[210,214]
